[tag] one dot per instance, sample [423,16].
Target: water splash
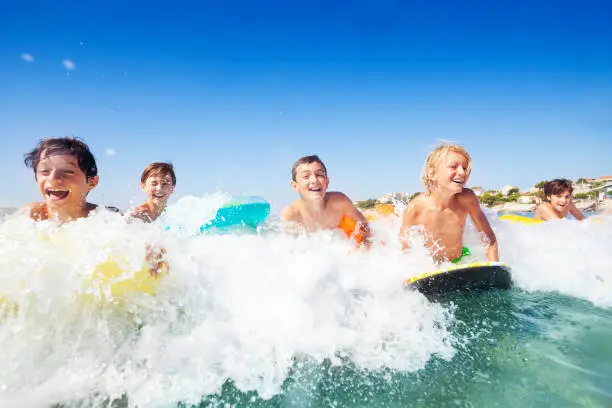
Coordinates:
[238,307]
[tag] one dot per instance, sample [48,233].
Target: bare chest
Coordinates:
[325,220]
[445,224]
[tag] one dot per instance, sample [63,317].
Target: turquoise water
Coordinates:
[519,350]
[272,320]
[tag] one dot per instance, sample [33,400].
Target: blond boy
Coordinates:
[444,206]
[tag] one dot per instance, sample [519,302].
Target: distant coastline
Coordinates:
[589,195]
[6,211]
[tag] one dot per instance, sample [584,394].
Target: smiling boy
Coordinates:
[560,202]
[65,171]
[158,181]
[443,209]
[318,209]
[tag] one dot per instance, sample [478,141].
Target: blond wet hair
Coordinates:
[435,157]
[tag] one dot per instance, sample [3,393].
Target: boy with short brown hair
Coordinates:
[317,208]
[65,171]
[158,181]
[559,202]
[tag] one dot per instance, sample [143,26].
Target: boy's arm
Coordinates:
[363,226]
[576,212]
[408,221]
[482,224]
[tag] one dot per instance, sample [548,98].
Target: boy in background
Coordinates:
[560,202]
[157,181]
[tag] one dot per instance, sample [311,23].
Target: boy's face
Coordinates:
[62,183]
[158,188]
[311,181]
[560,202]
[452,172]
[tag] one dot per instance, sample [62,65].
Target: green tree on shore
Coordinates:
[367,204]
[541,184]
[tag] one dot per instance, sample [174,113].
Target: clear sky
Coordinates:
[232,92]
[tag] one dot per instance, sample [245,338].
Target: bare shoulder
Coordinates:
[341,205]
[140,213]
[468,199]
[414,208]
[140,209]
[419,200]
[338,201]
[291,212]
[417,204]
[336,197]
[544,211]
[467,194]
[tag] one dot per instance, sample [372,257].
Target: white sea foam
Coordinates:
[239,307]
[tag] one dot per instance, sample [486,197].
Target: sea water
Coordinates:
[268,319]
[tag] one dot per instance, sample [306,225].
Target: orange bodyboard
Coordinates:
[349,225]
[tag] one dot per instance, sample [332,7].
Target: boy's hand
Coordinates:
[482,225]
[155,258]
[576,212]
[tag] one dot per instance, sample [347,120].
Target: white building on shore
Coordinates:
[506,189]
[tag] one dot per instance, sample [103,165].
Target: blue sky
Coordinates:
[233,92]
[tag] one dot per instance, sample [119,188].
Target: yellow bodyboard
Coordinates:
[111,278]
[526,220]
[519,218]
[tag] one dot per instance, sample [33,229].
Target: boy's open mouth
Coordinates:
[316,189]
[159,195]
[56,194]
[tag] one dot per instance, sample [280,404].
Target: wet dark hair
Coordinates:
[306,160]
[158,168]
[558,186]
[63,145]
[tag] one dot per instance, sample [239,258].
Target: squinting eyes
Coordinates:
[306,176]
[45,172]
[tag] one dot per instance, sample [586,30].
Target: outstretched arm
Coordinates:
[362,232]
[482,224]
[408,221]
